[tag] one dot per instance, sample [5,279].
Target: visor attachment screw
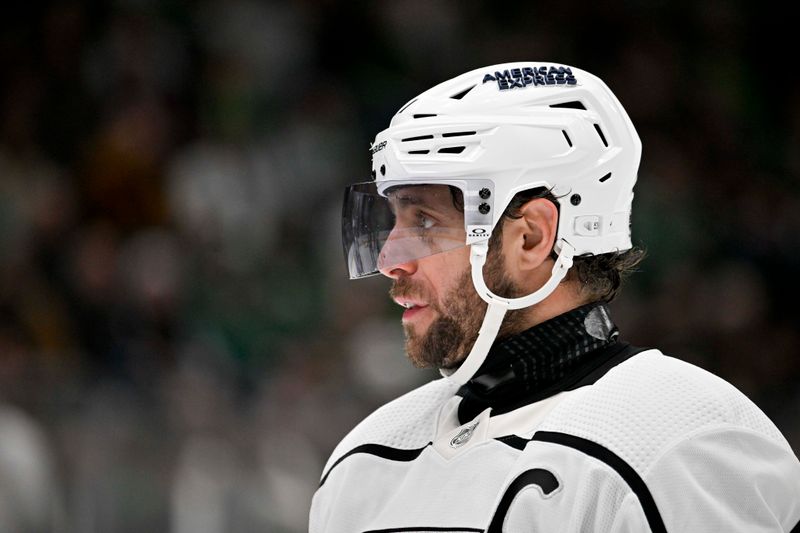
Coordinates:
[484,208]
[383,170]
[485,193]
[575,199]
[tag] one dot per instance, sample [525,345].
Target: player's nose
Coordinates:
[395,260]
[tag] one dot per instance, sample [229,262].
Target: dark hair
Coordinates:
[600,276]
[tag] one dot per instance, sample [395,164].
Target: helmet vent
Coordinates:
[605,178]
[458,133]
[575,104]
[459,96]
[418,152]
[424,115]
[599,132]
[419,138]
[452,150]
[407,106]
[569,141]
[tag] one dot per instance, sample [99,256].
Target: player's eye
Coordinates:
[425,222]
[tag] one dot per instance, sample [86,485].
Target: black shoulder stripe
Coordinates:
[514,441]
[622,468]
[379,450]
[796,529]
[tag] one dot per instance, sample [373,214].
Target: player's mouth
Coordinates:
[413,308]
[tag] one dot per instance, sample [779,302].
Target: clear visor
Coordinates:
[403,224]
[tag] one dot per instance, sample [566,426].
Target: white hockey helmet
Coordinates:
[494,132]
[504,129]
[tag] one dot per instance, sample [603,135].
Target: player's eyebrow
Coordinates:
[405,199]
[418,195]
[402,200]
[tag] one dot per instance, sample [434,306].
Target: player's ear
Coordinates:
[532,235]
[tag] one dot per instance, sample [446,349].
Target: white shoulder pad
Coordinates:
[644,405]
[408,422]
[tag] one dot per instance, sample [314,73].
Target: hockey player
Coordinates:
[499,207]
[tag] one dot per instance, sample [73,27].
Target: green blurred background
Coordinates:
[180,348]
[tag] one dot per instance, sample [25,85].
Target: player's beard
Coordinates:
[449,338]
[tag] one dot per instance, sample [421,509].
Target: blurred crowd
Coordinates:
[180,348]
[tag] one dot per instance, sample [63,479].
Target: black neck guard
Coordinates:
[563,353]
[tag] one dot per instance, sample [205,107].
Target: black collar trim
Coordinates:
[564,353]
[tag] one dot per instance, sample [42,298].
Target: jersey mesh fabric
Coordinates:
[644,404]
[407,423]
[753,478]
[417,494]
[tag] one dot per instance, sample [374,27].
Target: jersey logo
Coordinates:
[519,78]
[463,436]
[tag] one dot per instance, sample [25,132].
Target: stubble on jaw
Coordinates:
[444,343]
[450,337]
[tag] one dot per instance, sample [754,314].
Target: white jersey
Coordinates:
[655,444]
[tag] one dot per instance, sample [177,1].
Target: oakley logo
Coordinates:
[478,233]
[519,78]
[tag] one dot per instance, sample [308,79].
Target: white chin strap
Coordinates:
[499,305]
